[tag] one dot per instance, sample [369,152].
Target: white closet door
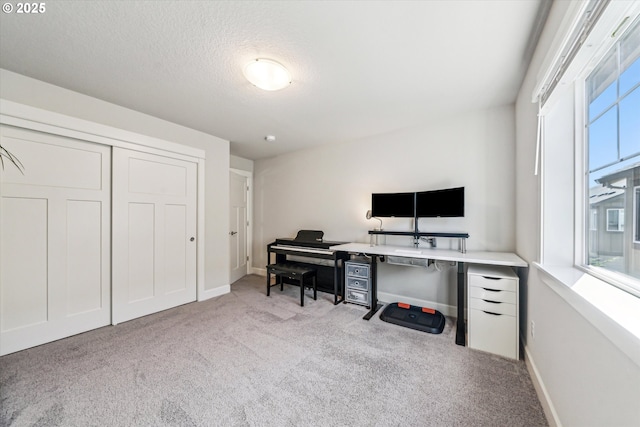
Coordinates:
[154,230]
[54,239]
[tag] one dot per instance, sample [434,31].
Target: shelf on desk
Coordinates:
[420,234]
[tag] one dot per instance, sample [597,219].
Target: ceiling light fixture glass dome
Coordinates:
[267,74]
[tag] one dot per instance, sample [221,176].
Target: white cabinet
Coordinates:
[492,301]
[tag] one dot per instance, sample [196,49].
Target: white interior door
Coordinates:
[238,187]
[154,230]
[54,239]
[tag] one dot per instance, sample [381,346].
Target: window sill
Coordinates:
[615,313]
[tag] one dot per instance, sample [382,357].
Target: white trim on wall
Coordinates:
[25,116]
[541,390]
[206,294]
[387,298]
[200,235]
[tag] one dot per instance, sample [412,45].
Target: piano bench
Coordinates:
[294,272]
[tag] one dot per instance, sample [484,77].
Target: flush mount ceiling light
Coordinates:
[267,74]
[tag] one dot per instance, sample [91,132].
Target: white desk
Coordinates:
[472,257]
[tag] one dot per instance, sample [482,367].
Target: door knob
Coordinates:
[233,233]
[192,239]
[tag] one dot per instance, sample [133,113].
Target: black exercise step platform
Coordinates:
[414,317]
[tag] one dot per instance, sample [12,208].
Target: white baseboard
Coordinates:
[447,310]
[541,391]
[259,271]
[215,292]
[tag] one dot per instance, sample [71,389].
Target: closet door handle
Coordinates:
[192,239]
[233,233]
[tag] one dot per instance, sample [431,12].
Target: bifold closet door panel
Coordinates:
[154,230]
[54,239]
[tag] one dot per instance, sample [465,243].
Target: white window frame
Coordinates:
[593,220]
[582,210]
[636,215]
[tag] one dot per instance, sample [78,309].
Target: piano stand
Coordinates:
[293,272]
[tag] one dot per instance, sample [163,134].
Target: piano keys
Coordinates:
[310,250]
[290,249]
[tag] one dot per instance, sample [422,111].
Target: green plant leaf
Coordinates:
[4,153]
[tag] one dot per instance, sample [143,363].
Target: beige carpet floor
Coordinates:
[244,359]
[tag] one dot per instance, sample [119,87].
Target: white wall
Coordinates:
[329,188]
[24,90]
[589,381]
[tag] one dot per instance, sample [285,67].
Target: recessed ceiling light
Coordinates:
[267,74]
[270,138]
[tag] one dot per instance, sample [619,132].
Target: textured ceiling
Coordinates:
[359,68]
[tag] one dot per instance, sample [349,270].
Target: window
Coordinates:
[612,167]
[615,219]
[589,145]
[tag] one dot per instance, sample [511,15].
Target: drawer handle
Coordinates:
[492,302]
[495,314]
[492,278]
[491,290]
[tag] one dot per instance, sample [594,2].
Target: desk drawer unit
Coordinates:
[357,283]
[492,301]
